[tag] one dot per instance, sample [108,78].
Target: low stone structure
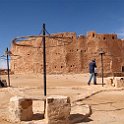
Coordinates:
[109,81]
[58,109]
[3,83]
[20,109]
[117,82]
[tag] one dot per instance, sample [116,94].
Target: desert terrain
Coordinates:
[107,104]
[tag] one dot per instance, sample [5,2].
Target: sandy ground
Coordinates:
[107,105]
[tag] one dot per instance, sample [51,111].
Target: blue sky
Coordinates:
[25,17]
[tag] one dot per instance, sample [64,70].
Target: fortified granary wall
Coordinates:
[68,53]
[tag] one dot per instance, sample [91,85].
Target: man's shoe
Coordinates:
[95,83]
[88,83]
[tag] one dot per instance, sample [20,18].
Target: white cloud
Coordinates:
[120,33]
[3,64]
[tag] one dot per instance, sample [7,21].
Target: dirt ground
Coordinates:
[107,103]
[107,108]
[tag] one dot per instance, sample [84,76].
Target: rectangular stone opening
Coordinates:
[38,109]
[122,68]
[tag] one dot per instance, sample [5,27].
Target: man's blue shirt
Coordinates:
[92,66]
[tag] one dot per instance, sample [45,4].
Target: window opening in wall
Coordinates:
[77,49]
[71,50]
[93,35]
[104,38]
[71,65]
[55,66]
[113,37]
[61,66]
[122,68]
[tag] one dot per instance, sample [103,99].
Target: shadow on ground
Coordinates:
[78,118]
[38,116]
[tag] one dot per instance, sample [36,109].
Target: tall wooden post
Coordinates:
[44,59]
[102,70]
[7,52]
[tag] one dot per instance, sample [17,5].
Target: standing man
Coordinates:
[92,68]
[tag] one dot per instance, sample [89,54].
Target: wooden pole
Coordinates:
[44,60]
[7,52]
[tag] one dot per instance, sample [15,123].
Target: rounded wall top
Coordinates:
[91,34]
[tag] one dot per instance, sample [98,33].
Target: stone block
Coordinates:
[119,83]
[57,110]
[79,112]
[20,109]
[109,81]
[4,82]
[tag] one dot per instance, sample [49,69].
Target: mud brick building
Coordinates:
[68,53]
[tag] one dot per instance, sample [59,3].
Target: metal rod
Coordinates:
[44,60]
[7,52]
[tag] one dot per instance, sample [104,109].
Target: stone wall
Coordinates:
[68,53]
